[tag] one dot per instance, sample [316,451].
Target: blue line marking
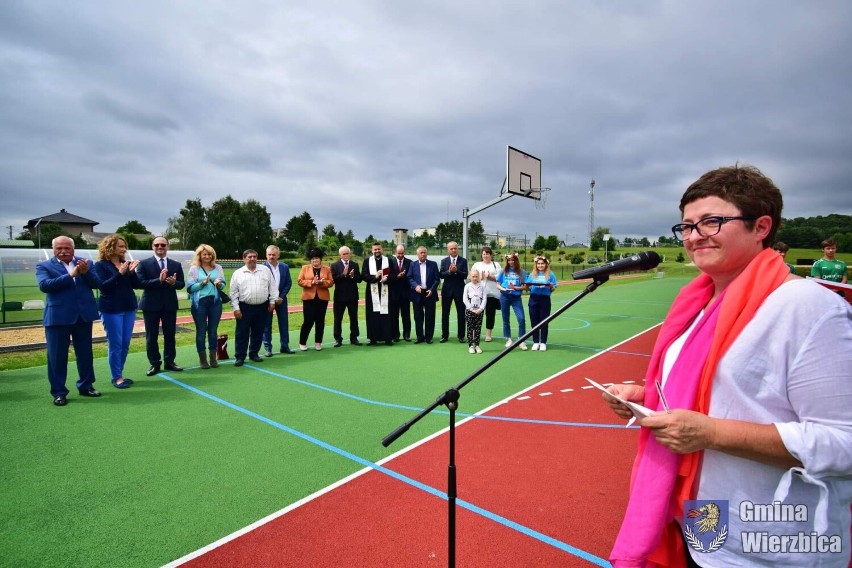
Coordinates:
[398,476]
[436,411]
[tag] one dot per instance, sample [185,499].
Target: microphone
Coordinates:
[638,261]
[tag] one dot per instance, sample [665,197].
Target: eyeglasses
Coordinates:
[706,227]
[160,246]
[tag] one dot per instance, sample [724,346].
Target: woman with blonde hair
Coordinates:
[205,280]
[117,303]
[541,283]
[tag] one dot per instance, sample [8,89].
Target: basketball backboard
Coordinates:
[523,174]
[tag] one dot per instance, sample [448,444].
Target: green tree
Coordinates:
[552,242]
[329,231]
[449,231]
[297,229]
[133,227]
[540,242]
[188,228]
[476,234]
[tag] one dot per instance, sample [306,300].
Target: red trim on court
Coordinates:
[567,482]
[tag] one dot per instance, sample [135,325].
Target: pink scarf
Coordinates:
[661,480]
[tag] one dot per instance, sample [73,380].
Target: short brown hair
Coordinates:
[754,194]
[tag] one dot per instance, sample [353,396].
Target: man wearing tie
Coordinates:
[346,276]
[423,278]
[70,310]
[400,295]
[160,278]
[454,273]
[281,274]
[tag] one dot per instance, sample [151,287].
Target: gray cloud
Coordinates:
[373,116]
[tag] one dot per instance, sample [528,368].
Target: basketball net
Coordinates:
[541,202]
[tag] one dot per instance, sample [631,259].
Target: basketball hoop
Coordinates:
[541,202]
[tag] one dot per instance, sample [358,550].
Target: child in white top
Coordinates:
[474,301]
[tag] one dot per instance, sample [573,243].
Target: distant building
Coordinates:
[400,237]
[70,223]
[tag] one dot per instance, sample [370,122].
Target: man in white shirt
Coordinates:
[253,296]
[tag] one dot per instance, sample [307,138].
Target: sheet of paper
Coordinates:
[638,410]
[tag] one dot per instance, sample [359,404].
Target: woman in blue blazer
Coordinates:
[117,303]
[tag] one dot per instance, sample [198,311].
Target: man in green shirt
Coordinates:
[829,268]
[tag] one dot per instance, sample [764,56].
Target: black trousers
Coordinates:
[341,307]
[446,305]
[250,329]
[314,312]
[152,334]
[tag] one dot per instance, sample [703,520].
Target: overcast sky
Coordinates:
[373,115]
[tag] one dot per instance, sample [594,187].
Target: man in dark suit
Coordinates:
[160,278]
[400,295]
[346,277]
[69,312]
[423,278]
[281,275]
[454,273]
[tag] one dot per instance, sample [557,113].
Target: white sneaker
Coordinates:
[522,346]
[471,350]
[535,347]
[318,346]
[488,339]
[303,347]
[478,349]
[542,347]
[509,342]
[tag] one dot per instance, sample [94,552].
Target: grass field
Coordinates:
[143,476]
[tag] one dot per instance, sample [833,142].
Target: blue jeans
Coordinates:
[206,315]
[517,306]
[119,329]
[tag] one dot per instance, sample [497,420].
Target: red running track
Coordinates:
[534,481]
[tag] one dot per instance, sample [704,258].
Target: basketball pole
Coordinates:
[468,213]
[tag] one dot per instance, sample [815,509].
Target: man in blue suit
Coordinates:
[70,310]
[454,273]
[283,281]
[423,278]
[160,277]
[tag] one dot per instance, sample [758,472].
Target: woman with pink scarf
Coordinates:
[747,459]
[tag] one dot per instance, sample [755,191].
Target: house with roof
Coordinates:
[70,223]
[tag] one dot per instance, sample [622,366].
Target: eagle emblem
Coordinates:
[705,524]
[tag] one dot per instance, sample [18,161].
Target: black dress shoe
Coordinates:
[371,343]
[255,359]
[408,339]
[238,362]
[388,342]
[287,350]
[429,341]
[173,367]
[153,370]
[90,392]
[443,340]
[60,401]
[338,343]
[355,342]
[462,340]
[419,341]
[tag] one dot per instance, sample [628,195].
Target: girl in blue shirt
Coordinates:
[510,282]
[541,283]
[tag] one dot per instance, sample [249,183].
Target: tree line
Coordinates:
[231,226]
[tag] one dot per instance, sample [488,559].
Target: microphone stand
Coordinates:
[450,399]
